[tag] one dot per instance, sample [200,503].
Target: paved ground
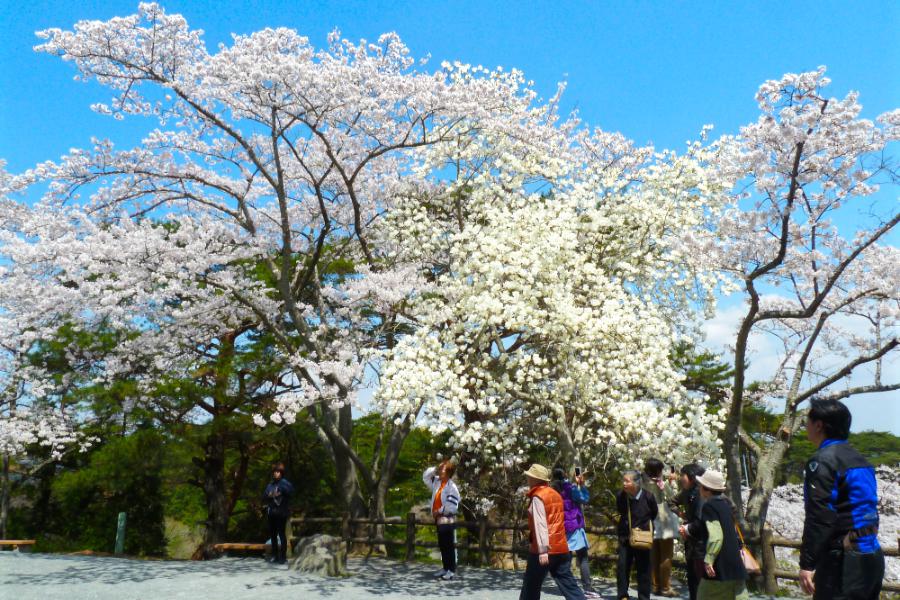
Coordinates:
[53,576]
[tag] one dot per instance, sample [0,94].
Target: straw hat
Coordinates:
[712,480]
[538,472]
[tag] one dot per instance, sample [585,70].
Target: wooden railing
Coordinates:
[481,545]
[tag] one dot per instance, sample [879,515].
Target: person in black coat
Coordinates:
[688,504]
[643,510]
[277,499]
[724,575]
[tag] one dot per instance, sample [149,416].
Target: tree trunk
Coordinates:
[214,491]
[764,483]
[4,498]
[347,478]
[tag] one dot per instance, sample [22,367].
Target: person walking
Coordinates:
[665,528]
[724,575]
[688,503]
[574,497]
[840,556]
[637,510]
[444,506]
[548,551]
[277,500]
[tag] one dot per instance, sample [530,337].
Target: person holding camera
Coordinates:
[665,528]
[574,497]
[277,499]
[637,510]
[444,506]
[688,504]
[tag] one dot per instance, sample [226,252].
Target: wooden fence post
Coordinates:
[483,540]
[768,559]
[346,532]
[410,536]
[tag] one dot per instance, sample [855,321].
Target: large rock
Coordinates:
[320,554]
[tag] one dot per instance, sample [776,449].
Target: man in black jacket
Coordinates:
[277,499]
[641,507]
[840,556]
[689,505]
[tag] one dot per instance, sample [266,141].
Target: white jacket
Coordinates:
[449,495]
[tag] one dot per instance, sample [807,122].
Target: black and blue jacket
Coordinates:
[841,495]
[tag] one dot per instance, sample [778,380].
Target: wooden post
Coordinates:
[483,540]
[289,538]
[768,562]
[120,534]
[346,532]
[410,536]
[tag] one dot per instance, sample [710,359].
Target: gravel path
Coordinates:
[54,576]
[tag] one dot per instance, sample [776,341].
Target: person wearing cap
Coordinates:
[444,506]
[637,510]
[840,556]
[724,575]
[548,550]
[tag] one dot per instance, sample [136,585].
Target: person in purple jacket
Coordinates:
[574,495]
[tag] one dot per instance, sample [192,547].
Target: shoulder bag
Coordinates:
[750,564]
[639,539]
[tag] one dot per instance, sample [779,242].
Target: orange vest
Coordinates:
[438,503]
[556,519]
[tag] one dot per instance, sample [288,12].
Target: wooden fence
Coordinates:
[480,544]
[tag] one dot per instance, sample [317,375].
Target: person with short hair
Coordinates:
[724,575]
[665,528]
[277,500]
[840,556]
[637,510]
[444,506]
[689,502]
[574,497]
[548,550]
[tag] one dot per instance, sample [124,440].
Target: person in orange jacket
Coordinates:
[548,551]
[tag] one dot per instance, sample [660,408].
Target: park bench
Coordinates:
[240,547]
[21,545]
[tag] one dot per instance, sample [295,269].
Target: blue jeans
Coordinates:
[560,568]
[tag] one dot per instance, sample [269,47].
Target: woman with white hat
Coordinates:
[724,577]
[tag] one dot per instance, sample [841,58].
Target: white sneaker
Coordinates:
[440,573]
[447,576]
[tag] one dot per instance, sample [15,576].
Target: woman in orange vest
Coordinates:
[444,505]
[548,551]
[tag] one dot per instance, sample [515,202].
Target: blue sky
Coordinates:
[655,71]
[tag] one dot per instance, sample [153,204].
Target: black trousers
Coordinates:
[446,544]
[277,533]
[628,556]
[849,575]
[560,568]
[693,578]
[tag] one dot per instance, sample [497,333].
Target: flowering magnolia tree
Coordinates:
[562,269]
[830,298]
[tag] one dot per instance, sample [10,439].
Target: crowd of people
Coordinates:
[840,556]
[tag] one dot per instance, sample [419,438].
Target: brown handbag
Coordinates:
[750,564]
[639,539]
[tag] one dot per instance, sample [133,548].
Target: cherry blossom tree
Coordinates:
[829,297]
[271,163]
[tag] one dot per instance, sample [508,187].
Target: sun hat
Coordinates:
[538,472]
[712,480]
